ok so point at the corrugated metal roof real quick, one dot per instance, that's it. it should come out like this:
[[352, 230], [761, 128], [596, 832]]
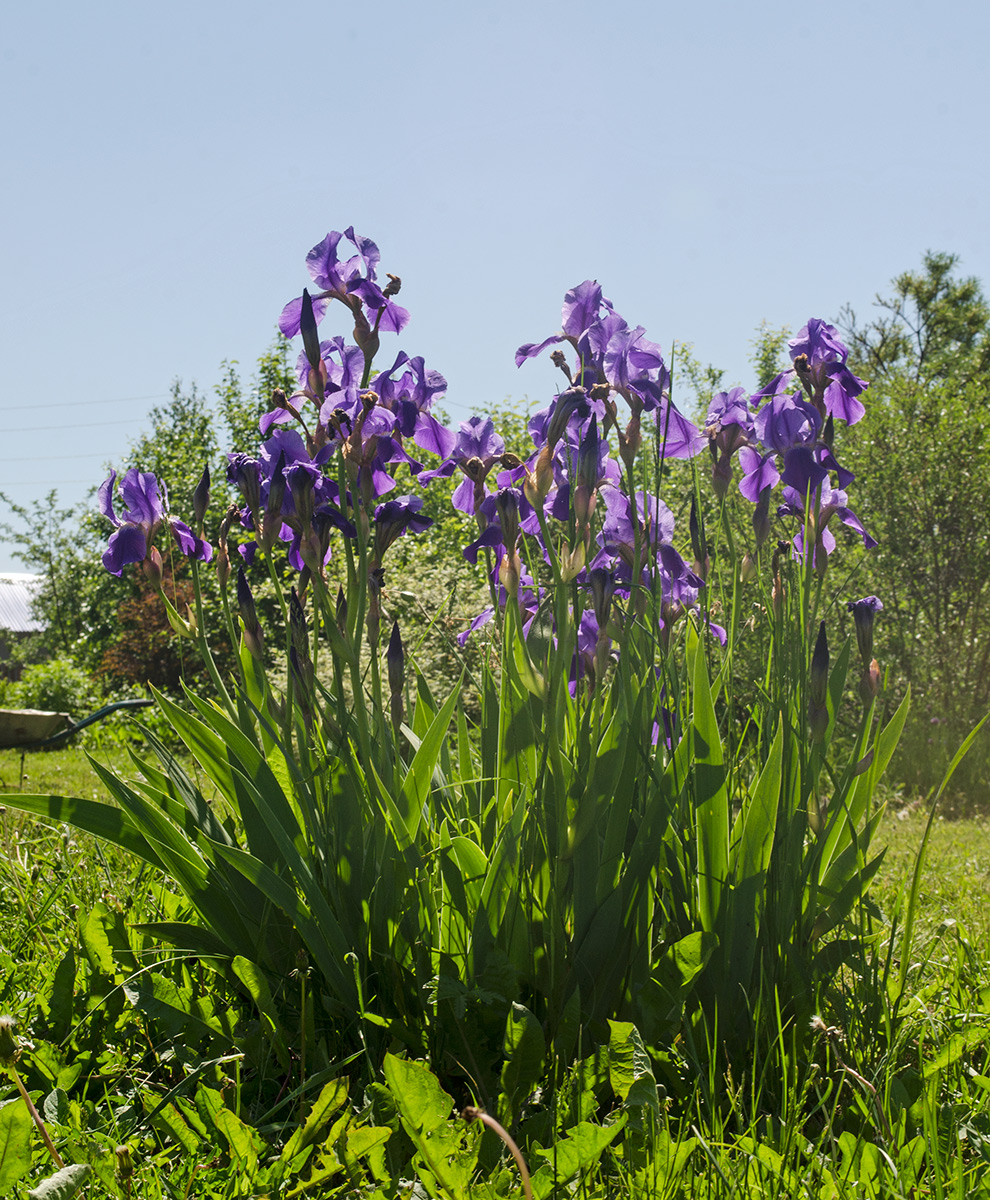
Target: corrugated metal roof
[[17, 591]]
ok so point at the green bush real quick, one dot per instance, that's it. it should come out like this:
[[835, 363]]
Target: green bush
[[54, 686]]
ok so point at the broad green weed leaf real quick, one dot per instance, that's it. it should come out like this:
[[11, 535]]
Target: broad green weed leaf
[[447, 1150], [93, 934], [244, 1142], [628, 1060], [162, 1000], [61, 994], [170, 1120], [663, 996], [422, 1103], [16, 1128], [524, 1048], [327, 1103], [578, 1151], [63, 1183], [56, 1107]]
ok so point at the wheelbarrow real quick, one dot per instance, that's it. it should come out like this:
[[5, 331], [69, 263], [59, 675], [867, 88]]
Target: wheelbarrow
[[29, 729]]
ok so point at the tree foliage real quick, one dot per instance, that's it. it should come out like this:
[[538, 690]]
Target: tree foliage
[[922, 460], [935, 327]]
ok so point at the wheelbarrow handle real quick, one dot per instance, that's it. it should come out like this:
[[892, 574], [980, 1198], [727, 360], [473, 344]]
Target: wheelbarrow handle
[[97, 716]]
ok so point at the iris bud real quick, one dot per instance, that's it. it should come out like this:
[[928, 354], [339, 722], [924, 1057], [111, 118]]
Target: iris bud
[[538, 483], [249, 616], [153, 568], [572, 562], [245, 473], [869, 684], [748, 569], [602, 589], [201, 499], [864, 613], [572, 401], [701, 561], [310, 335], [507, 505], [395, 660], [818, 687]]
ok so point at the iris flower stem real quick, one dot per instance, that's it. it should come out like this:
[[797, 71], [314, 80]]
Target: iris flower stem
[[204, 646], [548, 543], [231, 630], [276, 583]]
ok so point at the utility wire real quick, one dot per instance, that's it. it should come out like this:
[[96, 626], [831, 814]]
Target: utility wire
[[59, 428], [86, 403], [61, 457]]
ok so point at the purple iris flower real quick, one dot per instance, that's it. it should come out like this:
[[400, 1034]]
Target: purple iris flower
[[729, 423], [819, 359], [135, 528], [409, 397], [476, 450], [819, 343], [582, 309], [620, 359], [529, 599], [618, 535], [827, 502], [353, 282], [397, 517], [787, 421], [729, 428]]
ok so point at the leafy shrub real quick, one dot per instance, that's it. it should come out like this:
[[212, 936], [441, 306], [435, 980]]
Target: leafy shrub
[[54, 686]]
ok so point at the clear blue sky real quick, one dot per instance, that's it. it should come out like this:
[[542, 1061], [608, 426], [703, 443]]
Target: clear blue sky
[[167, 166]]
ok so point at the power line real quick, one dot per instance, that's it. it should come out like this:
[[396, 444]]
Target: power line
[[109, 400], [57, 428], [62, 457]]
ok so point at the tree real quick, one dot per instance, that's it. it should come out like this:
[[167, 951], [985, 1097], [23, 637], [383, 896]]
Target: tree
[[181, 441], [922, 460], [936, 327], [240, 407]]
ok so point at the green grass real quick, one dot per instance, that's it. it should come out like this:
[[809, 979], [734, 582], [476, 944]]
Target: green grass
[[956, 879], [65, 771], [109, 1049]]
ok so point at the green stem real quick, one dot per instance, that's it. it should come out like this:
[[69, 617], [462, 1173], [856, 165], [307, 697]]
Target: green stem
[[204, 647]]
